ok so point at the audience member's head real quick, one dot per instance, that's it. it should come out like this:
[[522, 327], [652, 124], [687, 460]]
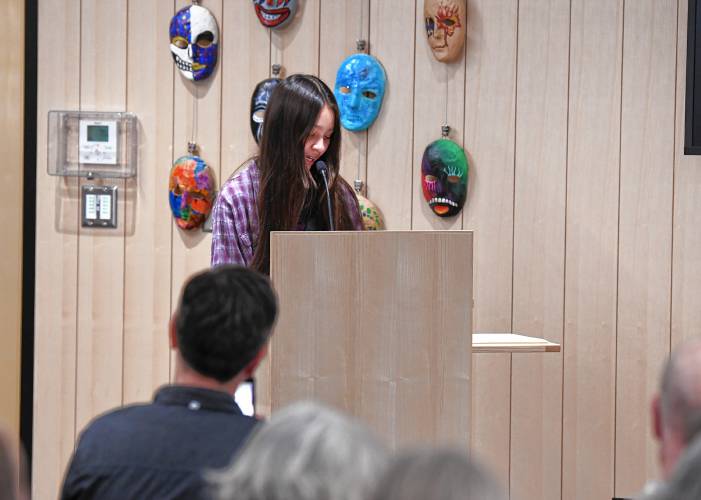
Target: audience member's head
[[12, 479], [685, 482], [438, 474], [223, 320], [305, 452], [677, 408]]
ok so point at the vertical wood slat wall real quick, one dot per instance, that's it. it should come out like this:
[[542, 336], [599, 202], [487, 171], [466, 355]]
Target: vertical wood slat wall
[[584, 208]]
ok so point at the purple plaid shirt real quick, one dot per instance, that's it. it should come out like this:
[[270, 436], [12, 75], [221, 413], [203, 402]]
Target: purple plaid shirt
[[235, 217]]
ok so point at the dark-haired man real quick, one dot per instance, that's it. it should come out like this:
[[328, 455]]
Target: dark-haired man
[[161, 449]]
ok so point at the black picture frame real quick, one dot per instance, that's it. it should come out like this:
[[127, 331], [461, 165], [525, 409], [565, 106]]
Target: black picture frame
[[692, 123]]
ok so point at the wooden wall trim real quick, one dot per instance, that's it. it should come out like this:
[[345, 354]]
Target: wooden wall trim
[[11, 176]]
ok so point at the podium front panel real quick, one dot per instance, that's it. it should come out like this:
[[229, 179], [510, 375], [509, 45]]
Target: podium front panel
[[377, 324]]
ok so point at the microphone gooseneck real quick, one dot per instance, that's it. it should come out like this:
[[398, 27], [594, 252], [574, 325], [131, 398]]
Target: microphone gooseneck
[[322, 169]]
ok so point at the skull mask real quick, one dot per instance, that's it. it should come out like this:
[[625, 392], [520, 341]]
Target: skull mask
[[191, 191], [194, 42], [360, 87], [259, 102], [445, 27], [275, 13], [444, 177]]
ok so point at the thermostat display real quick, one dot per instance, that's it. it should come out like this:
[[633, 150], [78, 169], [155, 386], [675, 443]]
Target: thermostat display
[[98, 142]]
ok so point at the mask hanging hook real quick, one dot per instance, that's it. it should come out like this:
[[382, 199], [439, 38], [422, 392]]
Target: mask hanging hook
[[361, 45], [445, 129]]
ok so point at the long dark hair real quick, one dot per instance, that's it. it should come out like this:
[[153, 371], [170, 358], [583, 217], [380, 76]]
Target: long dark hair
[[286, 185]]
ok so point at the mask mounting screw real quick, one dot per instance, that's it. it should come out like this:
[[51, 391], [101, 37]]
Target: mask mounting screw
[[358, 185]]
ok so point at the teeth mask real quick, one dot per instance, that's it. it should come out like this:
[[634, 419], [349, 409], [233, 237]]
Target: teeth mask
[[445, 28], [444, 177], [259, 103], [194, 42], [275, 13], [359, 89], [191, 187]]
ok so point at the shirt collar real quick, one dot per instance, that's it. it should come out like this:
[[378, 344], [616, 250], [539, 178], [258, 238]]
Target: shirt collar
[[195, 398]]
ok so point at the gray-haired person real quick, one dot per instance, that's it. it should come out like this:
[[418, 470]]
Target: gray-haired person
[[13, 481], [685, 482], [676, 411], [438, 474], [306, 451]]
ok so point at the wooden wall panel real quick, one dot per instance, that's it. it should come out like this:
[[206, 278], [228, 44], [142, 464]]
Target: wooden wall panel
[[101, 251], [191, 249], [12, 67], [591, 260], [645, 240], [389, 152], [438, 88], [686, 258], [56, 255], [341, 24], [539, 244], [296, 46], [548, 93], [489, 136], [245, 61], [147, 250]]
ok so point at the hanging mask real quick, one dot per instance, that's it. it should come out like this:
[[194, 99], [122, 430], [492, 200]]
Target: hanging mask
[[191, 188], [194, 42], [445, 27], [372, 218], [444, 177], [259, 102], [275, 13], [360, 87]]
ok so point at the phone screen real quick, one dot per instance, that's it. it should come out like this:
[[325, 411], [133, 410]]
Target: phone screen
[[245, 397]]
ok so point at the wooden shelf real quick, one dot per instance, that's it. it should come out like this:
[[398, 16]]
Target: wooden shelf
[[511, 342]]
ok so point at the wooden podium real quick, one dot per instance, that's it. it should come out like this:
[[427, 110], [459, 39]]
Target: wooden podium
[[377, 324]]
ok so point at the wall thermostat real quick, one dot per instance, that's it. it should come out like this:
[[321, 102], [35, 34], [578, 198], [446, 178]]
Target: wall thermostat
[[98, 142], [92, 144]]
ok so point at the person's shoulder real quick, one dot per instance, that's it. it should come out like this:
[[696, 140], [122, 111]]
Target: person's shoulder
[[113, 420], [347, 192], [345, 187], [242, 183], [246, 174]]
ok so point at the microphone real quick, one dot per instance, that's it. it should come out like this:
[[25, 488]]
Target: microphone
[[323, 170]]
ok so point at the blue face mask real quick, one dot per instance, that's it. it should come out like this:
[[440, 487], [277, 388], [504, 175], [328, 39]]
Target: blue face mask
[[360, 87]]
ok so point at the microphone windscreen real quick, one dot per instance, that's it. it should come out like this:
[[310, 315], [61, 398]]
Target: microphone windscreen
[[321, 167]]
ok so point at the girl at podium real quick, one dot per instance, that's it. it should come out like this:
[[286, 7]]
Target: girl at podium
[[282, 188]]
